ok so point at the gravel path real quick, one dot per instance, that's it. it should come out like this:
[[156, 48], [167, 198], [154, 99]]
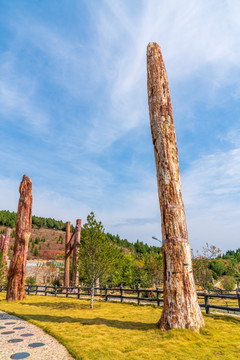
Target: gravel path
[[21, 340]]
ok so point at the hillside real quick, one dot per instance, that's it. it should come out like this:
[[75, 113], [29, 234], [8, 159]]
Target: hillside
[[48, 242]]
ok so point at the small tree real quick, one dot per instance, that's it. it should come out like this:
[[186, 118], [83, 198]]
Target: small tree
[[96, 254], [228, 283], [31, 280], [36, 251], [201, 266]]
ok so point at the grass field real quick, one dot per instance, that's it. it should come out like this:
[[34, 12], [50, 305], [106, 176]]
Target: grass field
[[223, 302], [125, 331]]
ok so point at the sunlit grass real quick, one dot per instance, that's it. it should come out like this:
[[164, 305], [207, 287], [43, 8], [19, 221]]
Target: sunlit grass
[[223, 302], [125, 331]]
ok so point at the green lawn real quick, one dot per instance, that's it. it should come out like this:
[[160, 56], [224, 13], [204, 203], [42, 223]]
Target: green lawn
[[124, 331]]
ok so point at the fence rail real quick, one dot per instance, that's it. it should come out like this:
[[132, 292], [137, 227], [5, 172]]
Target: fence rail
[[143, 296]]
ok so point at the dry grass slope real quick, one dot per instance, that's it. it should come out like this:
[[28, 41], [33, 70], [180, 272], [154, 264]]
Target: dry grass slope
[[46, 250], [124, 331]]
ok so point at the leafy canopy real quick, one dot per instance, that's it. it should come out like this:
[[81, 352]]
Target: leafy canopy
[[96, 254]]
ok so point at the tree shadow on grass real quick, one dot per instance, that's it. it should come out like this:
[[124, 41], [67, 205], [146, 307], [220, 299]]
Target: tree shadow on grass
[[59, 305], [129, 325], [227, 318]]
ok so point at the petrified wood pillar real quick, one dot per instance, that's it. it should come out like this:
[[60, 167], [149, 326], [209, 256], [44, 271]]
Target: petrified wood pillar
[[6, 245], [67, 254], [17, 268], [4, 249], [2, 240], [77, 239], [181, 309]]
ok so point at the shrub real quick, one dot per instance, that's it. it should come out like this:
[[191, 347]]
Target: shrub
[[37, 240], [60, 239], [30, 280], [36, 251], [228, 283], [210, 286], [56, 282]]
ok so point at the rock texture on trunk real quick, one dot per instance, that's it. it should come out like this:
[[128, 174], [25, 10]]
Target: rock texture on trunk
[[2, 240], [77, 239], [6, 245], [67, 253], [181, 308], [17, 268]]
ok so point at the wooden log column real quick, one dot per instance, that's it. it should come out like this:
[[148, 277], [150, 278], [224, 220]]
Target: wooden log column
[[181, 308], [17, 268], [67, 253], [6, 245], [2, 240], [77, 239]]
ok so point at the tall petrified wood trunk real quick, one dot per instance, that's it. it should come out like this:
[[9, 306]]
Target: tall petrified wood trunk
[[181, 309], [67, 253], [17, 268], [77, 239]]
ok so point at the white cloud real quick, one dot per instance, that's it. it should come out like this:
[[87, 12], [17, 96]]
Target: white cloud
[[211, 194], [197, 41], [18, 94], [16, 103], [106, 73]]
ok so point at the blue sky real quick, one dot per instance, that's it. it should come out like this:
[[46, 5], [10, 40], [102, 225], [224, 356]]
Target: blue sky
[[74, 115]]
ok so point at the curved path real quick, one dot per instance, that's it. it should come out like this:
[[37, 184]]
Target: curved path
[[22, 340]]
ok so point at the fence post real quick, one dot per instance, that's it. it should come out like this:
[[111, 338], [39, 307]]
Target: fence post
[[45, 290], [67, 292], [106, 293], [121, 293], [238, 297], [28, 289], [78, 295], [206, 298], [158, 297], [55, 290], [138, 293], [36, 289]]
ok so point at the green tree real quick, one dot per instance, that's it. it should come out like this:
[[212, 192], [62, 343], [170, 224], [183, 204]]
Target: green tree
[[218, 268], [36, 251], [96, 254], [31, 280], [201, 266], [228, 283], [37, 240]]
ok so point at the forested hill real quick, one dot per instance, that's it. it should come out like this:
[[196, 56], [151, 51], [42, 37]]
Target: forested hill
[[8, 219]]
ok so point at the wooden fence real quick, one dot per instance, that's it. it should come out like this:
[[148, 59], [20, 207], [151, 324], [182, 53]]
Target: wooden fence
[[143, 296]]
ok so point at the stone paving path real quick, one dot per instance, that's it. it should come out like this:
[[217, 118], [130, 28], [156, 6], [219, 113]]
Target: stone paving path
[[22, 340]]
